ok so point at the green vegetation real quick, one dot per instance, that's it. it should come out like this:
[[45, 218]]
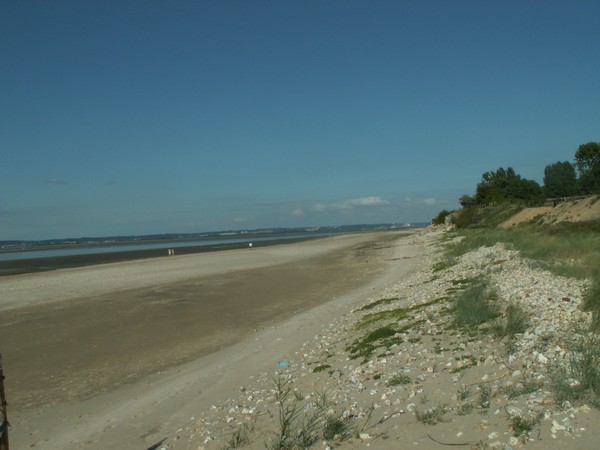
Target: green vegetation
[[580, 379], [485, 396], [502, 191], [335, 429], [587, 160], [514, 322], [383, 301], [321, 368], [298, 423], [523, 425], [394, 314], [506, 186], [432, 416], [560, 180], [364, 348], [476, 305], [239, 438], [441, 217], [399, 379], [525, 387], [591, 302]]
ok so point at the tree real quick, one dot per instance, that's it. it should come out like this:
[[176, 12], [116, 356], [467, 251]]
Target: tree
[[587, 160], [560, 180], [506, 186], [466, 201]]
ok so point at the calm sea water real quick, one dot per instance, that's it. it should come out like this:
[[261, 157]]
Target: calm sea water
[[50, 253]]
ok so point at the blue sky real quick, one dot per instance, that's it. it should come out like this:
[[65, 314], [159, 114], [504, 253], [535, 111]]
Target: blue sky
[[138, 117]]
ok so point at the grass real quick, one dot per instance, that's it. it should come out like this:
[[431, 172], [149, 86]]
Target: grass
[[239, 438], [475, 305], [321, 368], [394, 314], [515, 321], [485, 396], [527, 386], [383, 301], [431, 416], [579, 379], [398, 380], [591, 302], [298, 423], [523, 425], [567, 250], [335, 429], [366, 346]]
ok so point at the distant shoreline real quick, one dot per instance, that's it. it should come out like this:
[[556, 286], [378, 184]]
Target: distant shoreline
[[23, 266]]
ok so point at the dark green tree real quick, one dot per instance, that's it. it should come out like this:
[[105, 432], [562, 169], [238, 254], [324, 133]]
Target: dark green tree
[[506, 186], [587, 160], [560, 180], [466, 201]]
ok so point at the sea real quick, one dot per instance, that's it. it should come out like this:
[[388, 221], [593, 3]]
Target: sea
[[11, 251]]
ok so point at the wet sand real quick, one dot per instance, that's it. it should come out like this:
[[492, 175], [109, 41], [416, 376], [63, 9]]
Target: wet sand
[[29, 265], [68, 336]]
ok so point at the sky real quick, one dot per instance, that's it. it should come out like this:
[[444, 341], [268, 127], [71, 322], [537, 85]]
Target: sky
[[142, 117]]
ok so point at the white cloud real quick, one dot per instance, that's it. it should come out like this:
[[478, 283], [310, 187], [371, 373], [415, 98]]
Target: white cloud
[[430, 201], [352, 203], [373, 200], [369, 201], [297, 212]]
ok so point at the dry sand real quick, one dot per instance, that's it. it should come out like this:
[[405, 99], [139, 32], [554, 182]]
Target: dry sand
[[120, 355]]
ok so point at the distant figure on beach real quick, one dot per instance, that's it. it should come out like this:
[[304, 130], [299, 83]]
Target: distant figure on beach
[[250, 245], [171, 252]]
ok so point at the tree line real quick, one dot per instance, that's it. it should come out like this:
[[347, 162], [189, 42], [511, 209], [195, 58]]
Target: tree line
[[561, 179]]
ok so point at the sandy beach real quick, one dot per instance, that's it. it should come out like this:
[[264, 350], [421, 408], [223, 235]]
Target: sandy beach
[[119, 355]]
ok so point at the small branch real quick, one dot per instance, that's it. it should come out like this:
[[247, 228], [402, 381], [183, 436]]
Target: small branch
[[450, 444], [486, 382]]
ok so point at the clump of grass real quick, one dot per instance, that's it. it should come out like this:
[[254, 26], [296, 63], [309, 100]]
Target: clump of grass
[[321, 368], [298, 422], [485, 396], [239, 438], [399, 379], [444, 265], [475, 305], [394, 314], [365, 347], [527, 386], [383, 301], [464, 408], [514, 322], [523, 425], [579, 379], [431, 416], [591, 302], [335, 429]]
